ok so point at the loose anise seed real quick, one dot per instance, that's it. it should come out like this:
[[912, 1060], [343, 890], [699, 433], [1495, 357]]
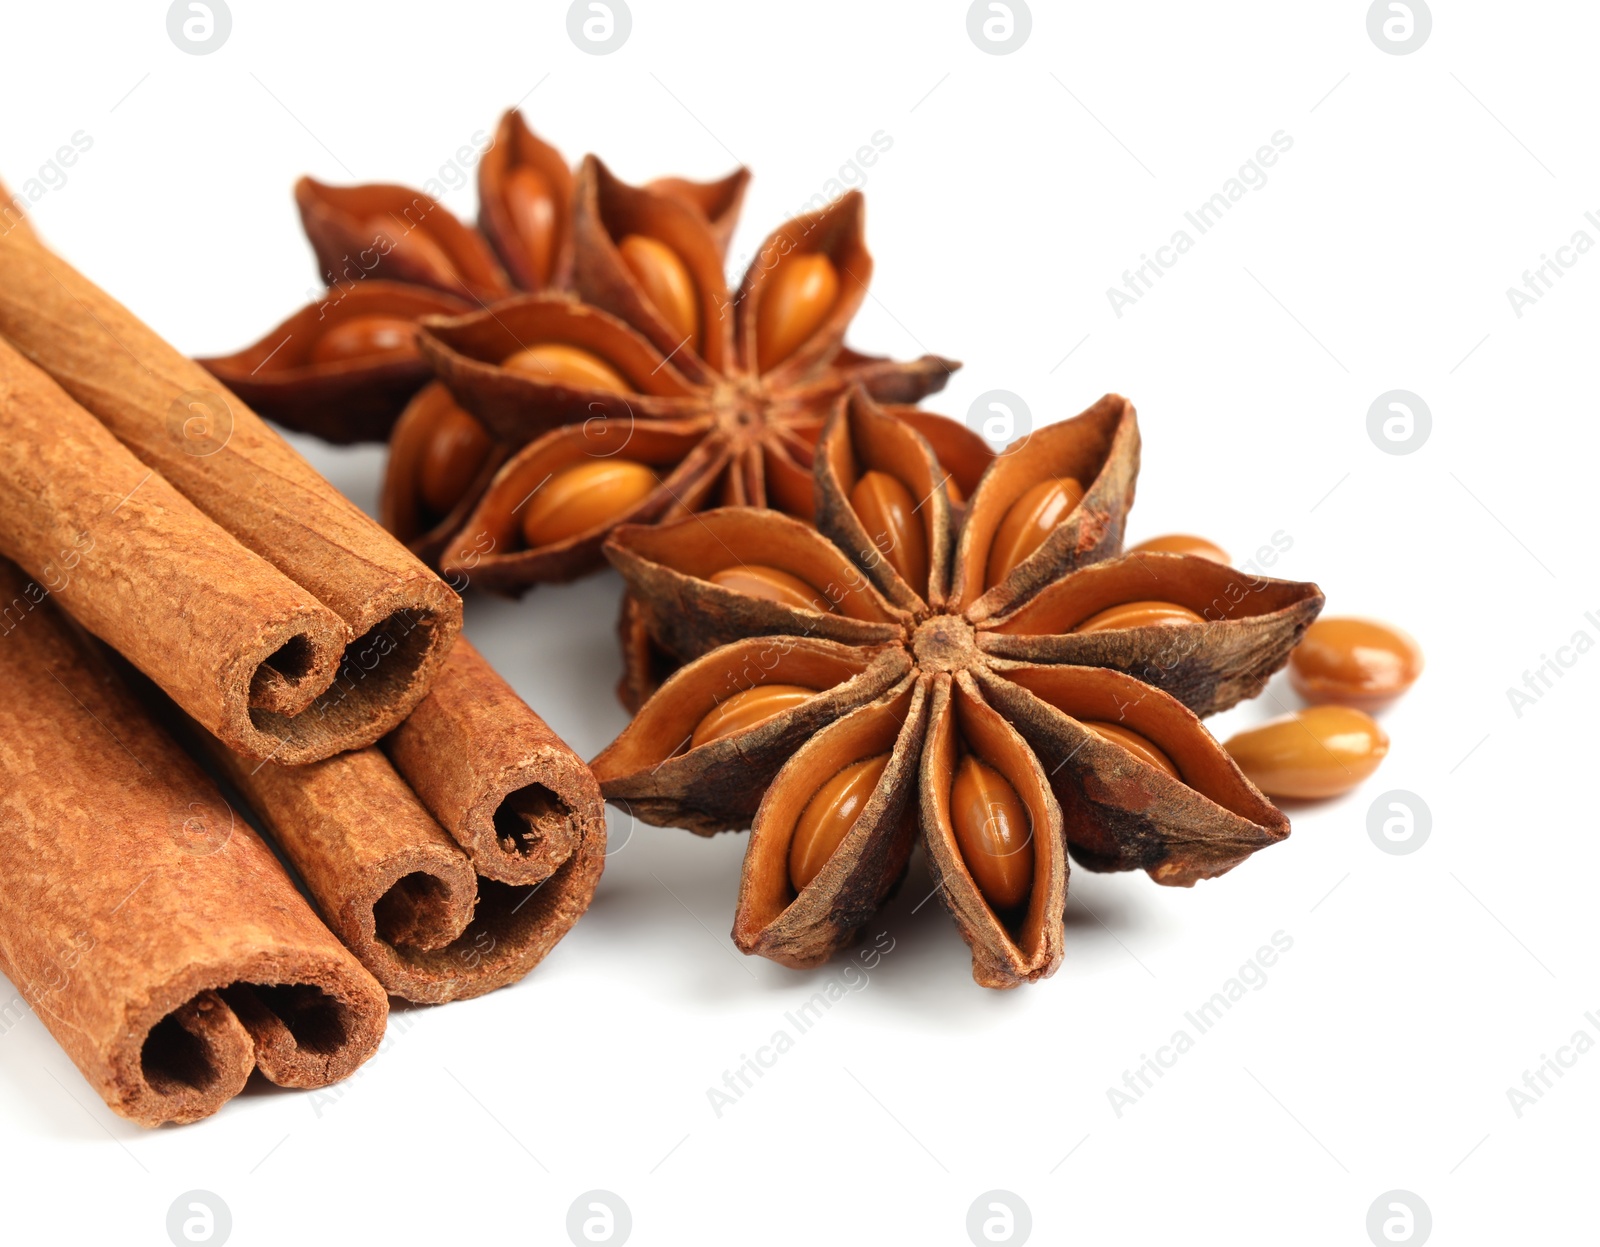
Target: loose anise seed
[[1031, 519], [1318, 752], [772, 584], [409, 243], [364, 337], [532, 205], [666, 282], [749, 708], [1184, 543], [585, 497], [556, 363], [451, 459], [795, 300], [1139, 615], [994, 833], [1354, 662], [889, 514], [829, 815], [1139, 746]]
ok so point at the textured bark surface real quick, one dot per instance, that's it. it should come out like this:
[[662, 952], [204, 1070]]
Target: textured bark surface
[[407, 853], [510, 791], [214, 450], [356, 400], [152, 932], [150, 575]]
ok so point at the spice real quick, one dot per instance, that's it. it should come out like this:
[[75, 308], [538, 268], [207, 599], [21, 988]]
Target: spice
[[400, 619], [1354, 662], [919, 728], [1321, 751], [151, 930], [741, 381]]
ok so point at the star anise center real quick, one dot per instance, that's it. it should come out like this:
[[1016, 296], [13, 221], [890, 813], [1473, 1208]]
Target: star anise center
[[945, 643], [742, 408]]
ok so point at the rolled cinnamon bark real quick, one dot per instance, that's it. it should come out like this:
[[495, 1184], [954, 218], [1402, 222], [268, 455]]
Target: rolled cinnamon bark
[[510, 791], [155, 935], [395, 886], [214, 450], [233, 641]]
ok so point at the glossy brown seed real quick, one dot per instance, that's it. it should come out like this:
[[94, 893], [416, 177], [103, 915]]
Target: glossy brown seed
[[665, 280], [889, 514], [749, 708], [772, 584], [455, 451], [404, 241], [532, 205], [365, 337], [1184, 543], [1029, 521], [1354, 662], [994, 833], [829, 815], [1145, 614], [556, 363], [585, 497], [795, 301], [1318, 752], [1141, 747]]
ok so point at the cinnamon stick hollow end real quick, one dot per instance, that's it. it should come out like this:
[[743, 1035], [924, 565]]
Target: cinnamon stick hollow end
[[221, 630], [397, 888], [510, 791], [186, 427], [154, 934]]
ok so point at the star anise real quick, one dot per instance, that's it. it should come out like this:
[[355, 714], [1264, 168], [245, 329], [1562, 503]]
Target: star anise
[[346, 365], [663, 393], [1001, 695]]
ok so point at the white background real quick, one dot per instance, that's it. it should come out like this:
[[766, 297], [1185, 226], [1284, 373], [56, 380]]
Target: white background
[[1419, 988]]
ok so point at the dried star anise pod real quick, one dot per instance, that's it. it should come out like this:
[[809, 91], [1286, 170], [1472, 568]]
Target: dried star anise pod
[[664, 393], [1001, 695], [345, 366]]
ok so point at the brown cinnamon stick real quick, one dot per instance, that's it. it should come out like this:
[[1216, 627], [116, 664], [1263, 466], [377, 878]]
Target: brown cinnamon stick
[[234, 642], [214, 450], [395, 886], [155, 935], [511, 792]]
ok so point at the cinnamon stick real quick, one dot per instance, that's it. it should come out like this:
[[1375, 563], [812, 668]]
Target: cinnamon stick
[[424, 916], [510, 791], [181, 421], [239, 646], [155, 935]]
